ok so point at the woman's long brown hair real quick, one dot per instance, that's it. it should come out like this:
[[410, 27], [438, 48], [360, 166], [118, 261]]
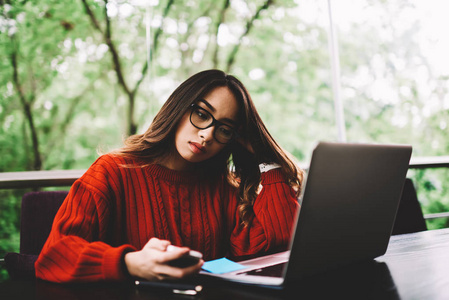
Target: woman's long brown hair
[[234, 162]]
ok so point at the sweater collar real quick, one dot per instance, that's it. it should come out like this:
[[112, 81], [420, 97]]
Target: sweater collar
[[159, 171]]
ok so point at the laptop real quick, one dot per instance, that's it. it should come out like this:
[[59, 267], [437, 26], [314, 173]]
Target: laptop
[[348, 208]]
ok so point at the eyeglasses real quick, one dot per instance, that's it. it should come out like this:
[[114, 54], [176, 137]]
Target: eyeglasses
[[202, 119]]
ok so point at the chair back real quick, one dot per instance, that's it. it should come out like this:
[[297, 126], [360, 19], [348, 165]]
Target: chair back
[[409, 217], [37, 214]]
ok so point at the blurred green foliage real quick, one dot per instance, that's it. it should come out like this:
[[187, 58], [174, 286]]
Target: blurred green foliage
[[433, 193]]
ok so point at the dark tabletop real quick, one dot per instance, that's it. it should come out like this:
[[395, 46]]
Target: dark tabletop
[[416, 266]]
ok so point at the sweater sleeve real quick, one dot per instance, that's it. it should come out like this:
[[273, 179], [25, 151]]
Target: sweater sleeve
[[76, 249], [270, 230]]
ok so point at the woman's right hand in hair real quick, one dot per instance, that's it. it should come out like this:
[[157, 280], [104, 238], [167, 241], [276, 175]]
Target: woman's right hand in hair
[[151, 263]]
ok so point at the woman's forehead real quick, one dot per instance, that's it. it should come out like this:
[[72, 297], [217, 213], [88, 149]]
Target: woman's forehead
[[222, 103]]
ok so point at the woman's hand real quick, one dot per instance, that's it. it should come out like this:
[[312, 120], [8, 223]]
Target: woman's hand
[[151, 263]]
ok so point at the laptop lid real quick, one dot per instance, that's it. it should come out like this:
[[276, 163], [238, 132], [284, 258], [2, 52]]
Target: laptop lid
[[348, 207]]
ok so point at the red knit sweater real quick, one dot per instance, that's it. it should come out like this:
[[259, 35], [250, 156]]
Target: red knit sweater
[[111, 210]]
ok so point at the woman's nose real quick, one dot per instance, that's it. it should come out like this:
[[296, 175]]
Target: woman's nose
[[207, 134]]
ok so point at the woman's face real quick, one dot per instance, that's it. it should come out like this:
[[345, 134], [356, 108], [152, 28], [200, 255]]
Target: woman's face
[[195, 145]]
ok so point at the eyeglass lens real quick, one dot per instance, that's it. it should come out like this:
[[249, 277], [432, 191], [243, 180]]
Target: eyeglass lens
[[202, 119]]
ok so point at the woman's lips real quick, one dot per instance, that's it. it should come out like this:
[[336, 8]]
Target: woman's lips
[[197, 148]]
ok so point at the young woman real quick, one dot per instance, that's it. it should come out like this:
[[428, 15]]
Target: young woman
[[206, 175]]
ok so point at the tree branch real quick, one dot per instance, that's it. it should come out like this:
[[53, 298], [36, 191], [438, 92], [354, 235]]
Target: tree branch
[[155, 46], [107, 37], [220, 21], [60, 129], [92, 17], [159, 30], [249, 25], [37, 165], [114, 52], [184, 54], [108, 40]]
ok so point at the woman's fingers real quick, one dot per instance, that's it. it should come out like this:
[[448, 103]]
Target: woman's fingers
[[152, 262], [174, 253], [158, 244]]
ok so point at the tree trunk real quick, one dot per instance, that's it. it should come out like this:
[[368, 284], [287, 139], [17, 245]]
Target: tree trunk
[[26, 105]]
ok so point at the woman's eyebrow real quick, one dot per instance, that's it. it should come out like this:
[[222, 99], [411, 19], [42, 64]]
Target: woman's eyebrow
[[208, 105], [214, 110]]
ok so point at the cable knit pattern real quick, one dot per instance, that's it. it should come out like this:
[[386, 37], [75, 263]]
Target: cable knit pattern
[[112, 210]]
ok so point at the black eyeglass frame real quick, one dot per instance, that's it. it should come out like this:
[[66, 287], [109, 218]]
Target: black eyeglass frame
[[214, 122]]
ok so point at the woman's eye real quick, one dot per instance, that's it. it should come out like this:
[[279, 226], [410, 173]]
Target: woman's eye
[[202, 115], [224, 131]]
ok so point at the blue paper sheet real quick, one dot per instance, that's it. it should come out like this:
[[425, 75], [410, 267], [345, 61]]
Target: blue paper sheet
[[221, 265]]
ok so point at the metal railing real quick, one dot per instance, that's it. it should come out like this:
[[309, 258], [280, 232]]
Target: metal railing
[[39, 179]]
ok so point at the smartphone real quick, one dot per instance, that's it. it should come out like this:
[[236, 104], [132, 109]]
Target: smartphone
[[189, 259]]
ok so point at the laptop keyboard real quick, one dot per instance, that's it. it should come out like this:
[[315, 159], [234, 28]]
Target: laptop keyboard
[[270, 271]]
